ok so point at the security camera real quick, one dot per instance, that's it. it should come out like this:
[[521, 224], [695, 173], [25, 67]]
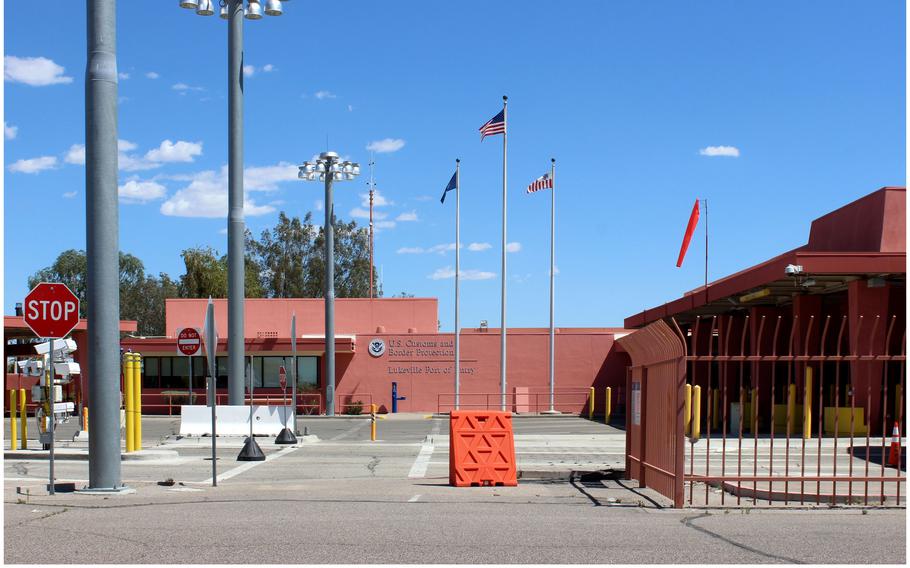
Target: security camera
[[63, 347], [793, 269]]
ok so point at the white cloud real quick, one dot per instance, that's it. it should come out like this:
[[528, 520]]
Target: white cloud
[[248, 70], [449, 272], [360, 213], [350, 108], [267, 178], [123, 76], [152, 75], [75, 155], [137, 191], [206, 194], [9, 131], [183, 88], [513, 247], [379, 200], [125, 146], [33, 165], [728, 151], [324, 95], [386, 145], [179, 151], [34, 71], [222, 231], [410, 250], [70, 194], [384, 224], [268, 67], [477, 247], [407, 216], [319, 205]]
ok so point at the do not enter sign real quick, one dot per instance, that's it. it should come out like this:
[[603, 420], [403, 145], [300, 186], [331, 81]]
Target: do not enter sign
[[51, 310], [188, 341], [282, 377]]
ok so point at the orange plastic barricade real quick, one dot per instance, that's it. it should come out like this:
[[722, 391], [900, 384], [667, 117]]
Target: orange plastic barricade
[[481, 449]]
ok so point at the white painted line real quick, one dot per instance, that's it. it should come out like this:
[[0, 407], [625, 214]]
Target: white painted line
[[414, 499], [351, 430], [419, 469], [250, 465]]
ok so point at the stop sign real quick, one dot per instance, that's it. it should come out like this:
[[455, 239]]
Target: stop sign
[[51, 310], [188, 341], [282, 377]]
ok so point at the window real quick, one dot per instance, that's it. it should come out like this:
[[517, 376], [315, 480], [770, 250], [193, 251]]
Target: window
[[270, 369], [307, 374], [150, 372]]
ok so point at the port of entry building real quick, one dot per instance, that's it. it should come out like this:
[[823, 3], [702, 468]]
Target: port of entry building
[[379, 342]]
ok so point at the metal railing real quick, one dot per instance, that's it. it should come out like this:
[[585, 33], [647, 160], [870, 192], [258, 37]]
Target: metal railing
[[569, 400], [353, 404], [307, 403], [782, 436]]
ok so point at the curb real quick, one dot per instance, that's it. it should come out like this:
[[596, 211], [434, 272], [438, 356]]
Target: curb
[[82, 455]]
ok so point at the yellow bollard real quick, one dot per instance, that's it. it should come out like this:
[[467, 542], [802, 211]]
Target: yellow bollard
[[13, 434], [23, 417], [791, 406], [608, 409], [85, 418], [591, 404], [128, 398], [137, 404], [696, 413], [372, 422], [807, 405], [687, 411], [715, 409]]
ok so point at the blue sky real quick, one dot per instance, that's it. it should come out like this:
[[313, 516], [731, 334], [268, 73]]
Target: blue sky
[[625, 95]]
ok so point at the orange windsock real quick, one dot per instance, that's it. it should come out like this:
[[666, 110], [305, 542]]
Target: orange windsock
[[690, 229]]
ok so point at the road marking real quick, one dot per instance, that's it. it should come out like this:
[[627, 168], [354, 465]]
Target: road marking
[[414, 499], [350, 430], [419, 469], [250, 465]]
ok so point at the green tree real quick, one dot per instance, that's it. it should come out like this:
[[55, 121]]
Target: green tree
[[206, 275], [141, 296]]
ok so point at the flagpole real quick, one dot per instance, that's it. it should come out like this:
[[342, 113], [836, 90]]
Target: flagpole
[[502, 349], [457, 275], [552, 272], [705, 201]]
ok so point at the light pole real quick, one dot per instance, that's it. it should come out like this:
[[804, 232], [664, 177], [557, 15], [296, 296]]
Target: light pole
[[328, 168], [233, 12]]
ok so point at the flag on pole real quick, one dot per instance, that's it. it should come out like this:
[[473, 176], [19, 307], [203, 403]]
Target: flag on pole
[[448, 188], [690, 229], [543, 182], [496, 125]]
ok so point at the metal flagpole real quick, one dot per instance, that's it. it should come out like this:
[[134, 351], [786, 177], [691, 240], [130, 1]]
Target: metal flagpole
[[502, 348], [552, 272], [705, 201], [457, 275], [371, 225], [294, 372]]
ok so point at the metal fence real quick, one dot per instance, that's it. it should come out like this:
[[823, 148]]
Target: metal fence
[[791, 412], [569, 401]]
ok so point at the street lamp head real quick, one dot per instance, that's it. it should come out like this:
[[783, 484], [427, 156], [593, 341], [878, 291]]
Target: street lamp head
[[224, 14], [328, 156], [205, 8], [188, 4], [273, 8], [254, 10]]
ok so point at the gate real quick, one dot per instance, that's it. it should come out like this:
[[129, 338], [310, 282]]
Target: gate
[[791, 412]]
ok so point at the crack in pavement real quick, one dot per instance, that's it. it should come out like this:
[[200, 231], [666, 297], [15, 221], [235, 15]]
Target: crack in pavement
[[687, 521], [372, 465]]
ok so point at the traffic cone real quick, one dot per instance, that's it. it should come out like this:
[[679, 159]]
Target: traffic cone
[[894, 455]]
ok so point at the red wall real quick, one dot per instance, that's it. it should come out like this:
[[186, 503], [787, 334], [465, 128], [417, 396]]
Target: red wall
[[272, 317]]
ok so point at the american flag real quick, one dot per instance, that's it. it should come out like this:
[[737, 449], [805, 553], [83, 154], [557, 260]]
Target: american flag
[[496, 125], [543, 182]]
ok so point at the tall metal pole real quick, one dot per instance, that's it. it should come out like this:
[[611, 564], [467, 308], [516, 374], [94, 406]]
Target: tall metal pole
[[329, 294], [294, 372], [236, 270], [457, 277], [371, 225], [502, 365], [705, 201], [552, 281], [102, 227]]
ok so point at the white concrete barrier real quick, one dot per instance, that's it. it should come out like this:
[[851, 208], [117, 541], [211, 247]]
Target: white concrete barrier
[[196, 420]]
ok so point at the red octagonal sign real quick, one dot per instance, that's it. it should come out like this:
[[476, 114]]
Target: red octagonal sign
[[51, 310]]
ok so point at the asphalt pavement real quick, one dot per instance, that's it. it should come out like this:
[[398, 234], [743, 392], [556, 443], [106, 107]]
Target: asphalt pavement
[[337, 497]]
